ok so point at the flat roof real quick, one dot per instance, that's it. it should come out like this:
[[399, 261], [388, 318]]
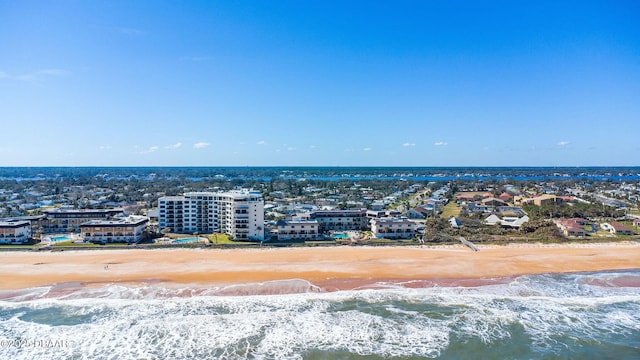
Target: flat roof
[[392, 221], [82, 211], [130, 220], [14, 224], [23, 218], [286, 222]]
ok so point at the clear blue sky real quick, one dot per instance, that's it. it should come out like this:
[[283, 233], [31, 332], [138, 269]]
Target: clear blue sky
[[399, 83]]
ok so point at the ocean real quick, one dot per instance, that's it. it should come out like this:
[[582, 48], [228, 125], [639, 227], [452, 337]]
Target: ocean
[[552, 316]]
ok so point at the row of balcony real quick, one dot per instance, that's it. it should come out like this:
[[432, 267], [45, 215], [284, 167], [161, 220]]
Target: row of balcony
[[297, 233], [392, 231], [108, 234]]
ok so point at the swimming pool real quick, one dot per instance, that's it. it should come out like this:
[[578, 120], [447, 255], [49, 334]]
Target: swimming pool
[[341, 236], [59, 238], [186, 240]]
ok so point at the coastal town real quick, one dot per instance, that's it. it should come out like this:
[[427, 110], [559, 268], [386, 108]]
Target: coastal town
[[85, 210]]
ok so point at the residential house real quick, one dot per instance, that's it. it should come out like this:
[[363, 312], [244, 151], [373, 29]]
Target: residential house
[[545, 199], [616, 228], [491, 201], [510, 211], [572, 227], [474, 208], [506, 221], [506, 197], [472, 196]]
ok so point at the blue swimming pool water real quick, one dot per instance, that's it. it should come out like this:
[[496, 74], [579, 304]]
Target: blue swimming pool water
[[186, 240], [59, 238], [341, 236]]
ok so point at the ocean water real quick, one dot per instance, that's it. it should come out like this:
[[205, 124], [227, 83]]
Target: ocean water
[[555, 316]]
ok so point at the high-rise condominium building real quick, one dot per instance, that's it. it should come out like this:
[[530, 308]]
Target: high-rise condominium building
[[239, 213]]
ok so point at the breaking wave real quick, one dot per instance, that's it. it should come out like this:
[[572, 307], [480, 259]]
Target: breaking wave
[[558, 315]]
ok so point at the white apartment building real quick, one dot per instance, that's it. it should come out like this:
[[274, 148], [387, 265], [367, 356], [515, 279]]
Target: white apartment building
[[297, 230], [15, 232], [393, 228], [239, 213]]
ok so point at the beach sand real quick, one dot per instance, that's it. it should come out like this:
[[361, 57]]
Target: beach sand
[[331, 268]]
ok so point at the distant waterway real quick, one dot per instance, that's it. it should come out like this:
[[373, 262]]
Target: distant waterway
[[195, 174], [468, 177]]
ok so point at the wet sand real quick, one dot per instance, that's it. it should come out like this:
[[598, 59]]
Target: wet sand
[[331, 268]]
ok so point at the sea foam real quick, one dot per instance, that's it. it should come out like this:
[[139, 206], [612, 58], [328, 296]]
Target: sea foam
[[531, 316]]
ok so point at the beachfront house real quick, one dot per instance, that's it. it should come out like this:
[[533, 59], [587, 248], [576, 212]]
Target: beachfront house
[[616, 228], [506, 221], [455, 223], [129, 229], [297, 230], [572, 227], [15, 232], [393, 228]]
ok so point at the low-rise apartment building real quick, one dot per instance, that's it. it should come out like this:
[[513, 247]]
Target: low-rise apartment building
[[393, 228], [15, 232], [128, 229], [382, 213], [69, 220], [340, 220], [297, 230]]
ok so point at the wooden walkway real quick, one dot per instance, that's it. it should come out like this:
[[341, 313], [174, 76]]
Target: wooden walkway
[[469, 244]]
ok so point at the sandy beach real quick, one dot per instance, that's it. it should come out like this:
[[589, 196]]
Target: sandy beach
[[331, 268]]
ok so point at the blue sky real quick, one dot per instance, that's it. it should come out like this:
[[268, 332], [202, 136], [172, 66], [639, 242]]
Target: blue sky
[[319, 83]]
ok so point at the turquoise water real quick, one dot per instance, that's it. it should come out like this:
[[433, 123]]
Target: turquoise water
[[186, 240], [60, 238], [341, 236]]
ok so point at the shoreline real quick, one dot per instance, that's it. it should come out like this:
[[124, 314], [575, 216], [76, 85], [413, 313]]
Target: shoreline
[[330, 268]]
